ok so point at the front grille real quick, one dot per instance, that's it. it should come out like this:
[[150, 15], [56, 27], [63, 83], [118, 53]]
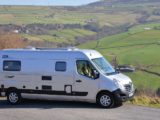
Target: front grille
[[128, 87]]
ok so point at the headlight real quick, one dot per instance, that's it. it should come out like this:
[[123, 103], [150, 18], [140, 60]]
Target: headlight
[[117, 83]]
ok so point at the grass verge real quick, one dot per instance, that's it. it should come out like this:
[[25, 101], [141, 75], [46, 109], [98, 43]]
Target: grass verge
[[144, 100]]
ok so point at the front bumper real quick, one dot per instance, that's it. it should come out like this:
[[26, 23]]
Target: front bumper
[[122, 96]]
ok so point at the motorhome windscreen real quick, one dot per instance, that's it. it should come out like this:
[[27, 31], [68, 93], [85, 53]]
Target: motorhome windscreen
[[104, 65]]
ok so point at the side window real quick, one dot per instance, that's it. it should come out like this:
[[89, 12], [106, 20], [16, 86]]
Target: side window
[[61, 66], [85, 68], [11, 65]]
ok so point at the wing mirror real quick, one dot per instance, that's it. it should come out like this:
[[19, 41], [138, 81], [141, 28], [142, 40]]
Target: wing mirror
[[96, 74]]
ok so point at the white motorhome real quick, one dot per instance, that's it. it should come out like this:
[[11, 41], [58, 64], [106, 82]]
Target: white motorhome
[[61, 74]]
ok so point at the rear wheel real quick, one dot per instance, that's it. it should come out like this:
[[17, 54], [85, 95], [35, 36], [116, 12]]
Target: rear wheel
[[13, 97], [105, 100]]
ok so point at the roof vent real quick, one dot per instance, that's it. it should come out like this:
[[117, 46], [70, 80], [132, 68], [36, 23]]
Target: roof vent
[[30, 48], [72, 48]]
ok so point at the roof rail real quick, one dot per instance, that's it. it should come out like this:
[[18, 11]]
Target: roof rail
[[68, 48]]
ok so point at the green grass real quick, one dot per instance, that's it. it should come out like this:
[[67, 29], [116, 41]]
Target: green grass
[[115, 15], [31, 14], [130, 48], [141, 28], [146, 101], [53, 15], [65, 36], [145, 80], [133, 49]]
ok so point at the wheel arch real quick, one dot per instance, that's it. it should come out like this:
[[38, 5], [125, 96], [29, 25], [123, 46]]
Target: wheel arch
[[103, 91], [11, 89], [11, 98]]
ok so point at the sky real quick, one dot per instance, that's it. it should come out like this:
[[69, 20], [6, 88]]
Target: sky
[[46, 2]]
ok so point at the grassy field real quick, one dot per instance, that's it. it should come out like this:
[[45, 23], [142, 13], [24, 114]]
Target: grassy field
[[137, 48], [113, 16], [141, 28], [66, 35], [53, 15]]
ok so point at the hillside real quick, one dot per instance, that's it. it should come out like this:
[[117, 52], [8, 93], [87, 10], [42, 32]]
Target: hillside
[[52, 26], [114, 2], [137, 47]]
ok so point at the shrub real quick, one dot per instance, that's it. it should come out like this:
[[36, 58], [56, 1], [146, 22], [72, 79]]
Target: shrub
[[11, 40]]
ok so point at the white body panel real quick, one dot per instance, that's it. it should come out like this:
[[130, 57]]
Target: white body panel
[[63, 86]]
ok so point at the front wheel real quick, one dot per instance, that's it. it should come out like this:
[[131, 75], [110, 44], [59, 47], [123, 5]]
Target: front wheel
[[13, 97], [105, 100]]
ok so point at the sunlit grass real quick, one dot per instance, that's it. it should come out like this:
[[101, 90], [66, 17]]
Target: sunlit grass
[[146, 101]]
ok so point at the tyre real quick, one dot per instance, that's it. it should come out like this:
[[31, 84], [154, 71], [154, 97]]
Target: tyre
[[13, 97], [105, 100]]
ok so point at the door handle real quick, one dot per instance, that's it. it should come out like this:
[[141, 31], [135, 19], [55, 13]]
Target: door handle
[[10, 76], [78, 81]]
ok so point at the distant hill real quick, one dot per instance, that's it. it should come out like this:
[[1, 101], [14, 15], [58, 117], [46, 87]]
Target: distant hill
[[70, 26], [113, 2]]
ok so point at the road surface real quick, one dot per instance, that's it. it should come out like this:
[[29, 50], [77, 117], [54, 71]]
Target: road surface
[[47, 110]]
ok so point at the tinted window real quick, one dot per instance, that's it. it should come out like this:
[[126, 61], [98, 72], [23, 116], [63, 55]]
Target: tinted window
[[11, 65], [60, 66], [85, 68]]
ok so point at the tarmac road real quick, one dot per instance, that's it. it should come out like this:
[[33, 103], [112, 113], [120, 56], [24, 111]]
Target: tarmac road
[[47, 110]]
